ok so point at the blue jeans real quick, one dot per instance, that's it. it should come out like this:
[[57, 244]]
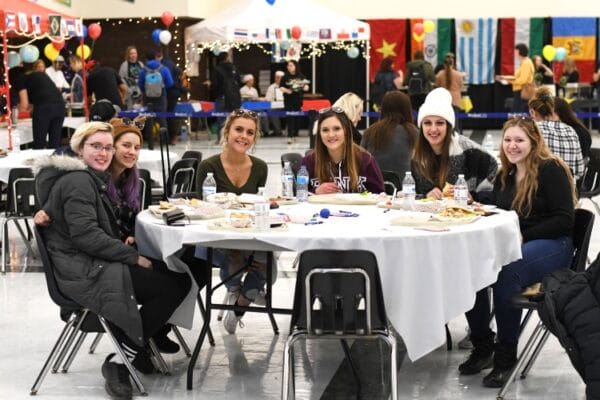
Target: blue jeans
[[540, 257]]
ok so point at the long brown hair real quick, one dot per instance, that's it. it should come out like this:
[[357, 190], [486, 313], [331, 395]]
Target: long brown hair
[[448, 67], [396, 110], [526, 189], [566, 114], [425, 161], [323, 163]]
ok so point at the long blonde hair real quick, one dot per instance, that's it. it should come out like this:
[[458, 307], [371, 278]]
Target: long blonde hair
[[527, 188]]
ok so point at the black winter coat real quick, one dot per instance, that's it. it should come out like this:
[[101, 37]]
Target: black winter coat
[[571, 311], [90, 260]]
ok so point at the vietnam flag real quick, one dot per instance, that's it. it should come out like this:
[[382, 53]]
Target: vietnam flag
[[434, 45], [578, 36], [513, 31], [388, 39]]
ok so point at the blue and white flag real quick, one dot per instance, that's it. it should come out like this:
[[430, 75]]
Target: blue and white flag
[[476, 49]]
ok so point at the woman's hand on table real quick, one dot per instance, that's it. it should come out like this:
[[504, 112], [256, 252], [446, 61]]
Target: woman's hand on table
[[41, 218], [144, 262], [435, 193], [327, 188]]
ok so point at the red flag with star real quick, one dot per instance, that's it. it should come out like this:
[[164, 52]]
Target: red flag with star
[[388, 39]]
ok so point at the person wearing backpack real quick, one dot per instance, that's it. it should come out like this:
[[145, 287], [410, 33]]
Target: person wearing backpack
[[225, 85], [386, 79], [154, 80], [419, 79]]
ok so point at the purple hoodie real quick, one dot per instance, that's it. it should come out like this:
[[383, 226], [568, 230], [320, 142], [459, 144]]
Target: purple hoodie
[[369, 175]]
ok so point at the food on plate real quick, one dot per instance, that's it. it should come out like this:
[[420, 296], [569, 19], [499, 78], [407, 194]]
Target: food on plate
[[165, 205], [240, 220], [221, 197], [448, 190], [280, 198], [456, 212]]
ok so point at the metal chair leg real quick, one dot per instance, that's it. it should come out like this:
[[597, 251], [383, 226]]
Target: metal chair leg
[[268, 294], [69, 342], [181, 341], [5, 248], [448, 338], [73, 352], [119, 351], [348, 356], [391, 341], [160, 361], [57, 346], [520, 361], [536, 353], [288, 366], [95, 343]]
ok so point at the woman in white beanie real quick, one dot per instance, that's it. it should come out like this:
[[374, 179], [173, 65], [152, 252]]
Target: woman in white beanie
[[440, 154], [248, 91]]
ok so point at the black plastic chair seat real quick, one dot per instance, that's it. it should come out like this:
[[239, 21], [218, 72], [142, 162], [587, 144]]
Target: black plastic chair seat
[[524, 302]]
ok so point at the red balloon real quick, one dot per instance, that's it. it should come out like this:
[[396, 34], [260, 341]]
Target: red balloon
[[94, 31], [418, 28], [167, 18], [296, 32], [58, 45]]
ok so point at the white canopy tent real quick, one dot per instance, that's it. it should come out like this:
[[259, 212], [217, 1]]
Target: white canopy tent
[[248, 22]]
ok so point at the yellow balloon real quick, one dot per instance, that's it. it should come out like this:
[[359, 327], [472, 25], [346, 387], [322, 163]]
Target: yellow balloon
[[549, 52], [428, 26], [87, 52], [50, 52]]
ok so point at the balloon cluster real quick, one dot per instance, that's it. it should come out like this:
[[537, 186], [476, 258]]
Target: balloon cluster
[[552, 53], [163, 35], [420, 29]]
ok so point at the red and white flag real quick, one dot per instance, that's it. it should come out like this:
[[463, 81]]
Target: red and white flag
[[36, 24], [10, 21], [23, 22]]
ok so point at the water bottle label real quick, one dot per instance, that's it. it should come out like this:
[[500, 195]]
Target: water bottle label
[[302, 180], [408, 189], [207, 191]]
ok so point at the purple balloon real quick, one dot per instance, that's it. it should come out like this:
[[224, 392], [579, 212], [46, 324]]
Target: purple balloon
[[156, 36], [84, 31]]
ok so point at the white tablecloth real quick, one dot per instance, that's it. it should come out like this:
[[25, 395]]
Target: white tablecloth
[[23, 127], [428, 278], [148, 159]]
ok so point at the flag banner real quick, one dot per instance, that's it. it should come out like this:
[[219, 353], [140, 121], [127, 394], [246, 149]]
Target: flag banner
[[78, 28], [23, 22], [64, 31], [54, 25], [388, 39], [435, 44], [578, 37], [476, 49], [36, 24], [10, 21], [529, 31]]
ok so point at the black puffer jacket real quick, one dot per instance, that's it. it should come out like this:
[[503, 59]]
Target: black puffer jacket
[[83, 242], [571, 311]]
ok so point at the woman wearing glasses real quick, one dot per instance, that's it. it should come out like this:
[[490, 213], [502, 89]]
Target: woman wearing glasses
[[538, 186], [338, 165], [95, 268], [235, 171], [440, 154]]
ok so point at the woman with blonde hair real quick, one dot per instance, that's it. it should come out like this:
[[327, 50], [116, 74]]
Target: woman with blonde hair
[[338, 164], [352, 105], [539, 187]]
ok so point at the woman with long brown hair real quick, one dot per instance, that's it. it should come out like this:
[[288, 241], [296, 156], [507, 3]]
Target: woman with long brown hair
[[538, 186], [338, 164], [391, 139], [440, 155], [450, 79]]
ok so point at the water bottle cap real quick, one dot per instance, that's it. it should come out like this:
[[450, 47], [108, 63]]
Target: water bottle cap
[[209, 174]]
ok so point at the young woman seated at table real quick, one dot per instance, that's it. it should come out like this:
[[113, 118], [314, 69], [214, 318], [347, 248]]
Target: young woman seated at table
[[338, 165], [94, 267], [440, 154], [539, 186], [236, 171]]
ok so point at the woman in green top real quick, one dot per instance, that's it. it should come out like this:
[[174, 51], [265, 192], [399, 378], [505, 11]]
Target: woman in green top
[[238, 172]]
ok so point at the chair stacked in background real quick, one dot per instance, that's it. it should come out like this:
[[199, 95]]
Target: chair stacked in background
[[338, 296]]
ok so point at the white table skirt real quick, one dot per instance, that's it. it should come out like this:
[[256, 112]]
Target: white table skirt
[[428, 278], [148, 159]]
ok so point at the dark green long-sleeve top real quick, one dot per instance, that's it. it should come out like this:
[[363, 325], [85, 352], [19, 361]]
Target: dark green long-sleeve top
[[257, 178]]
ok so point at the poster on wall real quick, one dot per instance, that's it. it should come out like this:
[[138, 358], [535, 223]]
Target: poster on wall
[[64, 2]]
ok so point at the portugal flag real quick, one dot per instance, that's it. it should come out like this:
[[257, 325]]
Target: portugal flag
[[388, 39]]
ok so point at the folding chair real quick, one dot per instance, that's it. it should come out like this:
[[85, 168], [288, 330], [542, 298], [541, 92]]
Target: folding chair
[[589, 184], [193, 154], [21, 204], [182, 176], [338, 296], [145, 188], [391, 181], [78, 318], [582, 232]]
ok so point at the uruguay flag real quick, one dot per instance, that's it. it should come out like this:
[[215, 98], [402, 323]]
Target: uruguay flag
[[476, 49]]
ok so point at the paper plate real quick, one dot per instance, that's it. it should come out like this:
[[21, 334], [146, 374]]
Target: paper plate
[[344, 199]]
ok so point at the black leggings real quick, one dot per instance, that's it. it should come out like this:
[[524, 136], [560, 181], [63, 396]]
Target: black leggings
[[159, 291]]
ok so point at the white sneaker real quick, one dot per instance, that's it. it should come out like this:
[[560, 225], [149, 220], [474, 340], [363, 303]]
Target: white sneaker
[[231, 322], [229, 299], [260, 299]]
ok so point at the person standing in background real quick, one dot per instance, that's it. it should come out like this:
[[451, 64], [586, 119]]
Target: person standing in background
[[544, 76], [523, 76], [452, 80], [386, 79], [293, 85], [104, 83], [173, 94], [129, 71], [275, 96], [419, 79], [56, 74], [77, 81], [225, 88]]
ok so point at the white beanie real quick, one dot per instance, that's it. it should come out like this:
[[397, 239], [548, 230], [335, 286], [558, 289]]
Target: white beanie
[[439, 103], [247, 78]]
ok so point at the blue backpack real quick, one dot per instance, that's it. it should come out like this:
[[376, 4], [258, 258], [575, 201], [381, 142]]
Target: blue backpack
[[153, 83]]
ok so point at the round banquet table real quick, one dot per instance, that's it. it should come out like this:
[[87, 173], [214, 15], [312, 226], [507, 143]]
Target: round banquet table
[[428, 277]]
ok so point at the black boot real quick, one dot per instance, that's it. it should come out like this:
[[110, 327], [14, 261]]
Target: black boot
[[505, 358], [164, 344], [481, 355]]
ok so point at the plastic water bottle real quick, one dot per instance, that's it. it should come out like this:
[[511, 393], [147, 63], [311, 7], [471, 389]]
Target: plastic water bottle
[[302, 184], [209, 186], [409, 189], [488, 143], [461, 191], [16, 141], [287, 180], [261, 212], [184, 133]]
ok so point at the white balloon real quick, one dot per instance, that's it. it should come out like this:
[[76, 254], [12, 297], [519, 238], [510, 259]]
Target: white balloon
[[165, 37], [14, 59]]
